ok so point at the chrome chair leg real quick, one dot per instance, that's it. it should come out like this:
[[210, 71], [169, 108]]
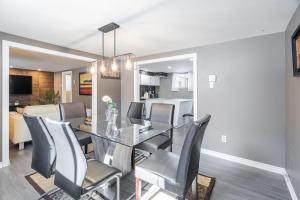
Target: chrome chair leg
[[138, 188], [118, 188]]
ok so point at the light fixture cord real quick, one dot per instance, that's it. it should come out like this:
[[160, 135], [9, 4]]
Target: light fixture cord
[[114, 42], [102, 45]]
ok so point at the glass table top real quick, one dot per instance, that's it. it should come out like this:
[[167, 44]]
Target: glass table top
[[130, 132]]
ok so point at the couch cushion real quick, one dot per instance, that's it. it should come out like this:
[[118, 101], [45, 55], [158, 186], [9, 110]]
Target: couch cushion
[[50, 111]]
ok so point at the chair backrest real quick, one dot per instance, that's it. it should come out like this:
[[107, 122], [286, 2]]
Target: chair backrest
[[162, 113], [190, 153], [43, 152], [136, 110], [71, 165], [72, 110]]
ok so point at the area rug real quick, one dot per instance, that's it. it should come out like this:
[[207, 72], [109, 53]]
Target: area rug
[[42, 185]]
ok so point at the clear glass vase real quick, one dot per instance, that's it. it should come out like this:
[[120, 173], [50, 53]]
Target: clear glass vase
[[108, 114]]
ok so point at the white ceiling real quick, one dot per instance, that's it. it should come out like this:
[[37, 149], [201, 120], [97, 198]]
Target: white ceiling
[[147, 27], [179, 66], [24, 59]]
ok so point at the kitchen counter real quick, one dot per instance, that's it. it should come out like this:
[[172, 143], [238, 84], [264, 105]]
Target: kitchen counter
[[182, 106]]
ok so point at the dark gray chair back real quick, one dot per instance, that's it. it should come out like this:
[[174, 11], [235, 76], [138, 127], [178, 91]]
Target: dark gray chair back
[[136, 110], [72, 110], [71, 164], [190, 153], [162, 113], [43, 152]]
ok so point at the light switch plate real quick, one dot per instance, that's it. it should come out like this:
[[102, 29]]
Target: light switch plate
[[212, 78]]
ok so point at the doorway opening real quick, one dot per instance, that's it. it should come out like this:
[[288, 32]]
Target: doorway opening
[[66, 90], [32, 66], [170, 80]]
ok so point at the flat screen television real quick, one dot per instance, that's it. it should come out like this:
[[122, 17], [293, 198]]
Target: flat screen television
[[20, 85]]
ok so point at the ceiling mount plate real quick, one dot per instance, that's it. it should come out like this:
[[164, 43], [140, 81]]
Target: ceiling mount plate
[[109, 27]]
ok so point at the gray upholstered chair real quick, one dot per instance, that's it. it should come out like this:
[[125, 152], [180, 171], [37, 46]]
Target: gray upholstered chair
[[75, 110], [170, 171], [43, 151], [136, 110], [162, 113], [74, 174]]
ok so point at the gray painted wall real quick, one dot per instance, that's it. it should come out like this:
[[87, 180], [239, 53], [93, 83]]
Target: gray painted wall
[[165, 90], [247, 103], [13, 38], [127, 92], [292, 109], [87, 100], [110, 87]]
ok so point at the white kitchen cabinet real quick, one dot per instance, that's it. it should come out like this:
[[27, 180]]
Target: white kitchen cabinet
[[144, 79], [155, 80], [149, 80]]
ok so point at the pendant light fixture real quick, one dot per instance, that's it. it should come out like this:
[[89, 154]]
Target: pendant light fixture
[[114, 60]]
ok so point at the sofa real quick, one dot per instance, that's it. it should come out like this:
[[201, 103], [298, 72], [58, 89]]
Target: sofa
[[18, 130]]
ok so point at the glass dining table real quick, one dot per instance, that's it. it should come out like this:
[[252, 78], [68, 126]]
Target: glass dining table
[[114, 143]]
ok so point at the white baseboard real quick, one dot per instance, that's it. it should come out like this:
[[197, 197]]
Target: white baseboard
[[244, 161], [259, 165], [290, 187]]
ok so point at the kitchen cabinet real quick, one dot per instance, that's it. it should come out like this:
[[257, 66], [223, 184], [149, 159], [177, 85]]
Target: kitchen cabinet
[[149, 80], [155, 80], [144, 79]]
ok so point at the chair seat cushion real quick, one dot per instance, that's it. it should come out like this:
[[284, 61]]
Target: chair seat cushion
[[152, 145], [83, 138], [159, 169], [97, 171]]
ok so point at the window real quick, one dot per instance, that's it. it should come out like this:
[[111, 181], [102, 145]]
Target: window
[[182, 82]]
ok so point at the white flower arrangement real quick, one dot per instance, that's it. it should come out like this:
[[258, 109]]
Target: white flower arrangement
[[109, 102]]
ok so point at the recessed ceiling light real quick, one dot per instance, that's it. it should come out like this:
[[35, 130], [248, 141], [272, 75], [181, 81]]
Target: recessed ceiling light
[[169, 67], [39, 70]]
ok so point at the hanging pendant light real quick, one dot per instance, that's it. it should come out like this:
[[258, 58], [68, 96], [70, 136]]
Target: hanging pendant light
[[92, 70], [102, 66], [114, 64], [128, 63]]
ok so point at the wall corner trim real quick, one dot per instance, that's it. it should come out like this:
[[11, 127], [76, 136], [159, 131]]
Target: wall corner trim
[[259, 165]]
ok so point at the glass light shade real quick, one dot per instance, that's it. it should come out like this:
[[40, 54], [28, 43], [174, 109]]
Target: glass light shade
[[92, 70], [128, 64], [102, 67], [114, 65]]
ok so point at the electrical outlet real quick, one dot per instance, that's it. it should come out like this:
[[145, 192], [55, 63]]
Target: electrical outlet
[[224, 139]]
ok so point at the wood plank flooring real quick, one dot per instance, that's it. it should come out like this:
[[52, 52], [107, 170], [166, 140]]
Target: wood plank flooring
[[234, 181]]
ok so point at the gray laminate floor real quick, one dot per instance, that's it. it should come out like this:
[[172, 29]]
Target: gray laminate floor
[[234, 181]]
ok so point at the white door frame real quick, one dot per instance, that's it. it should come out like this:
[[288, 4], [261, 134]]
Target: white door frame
[[63, 85], [193, 56], [6, 45]]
